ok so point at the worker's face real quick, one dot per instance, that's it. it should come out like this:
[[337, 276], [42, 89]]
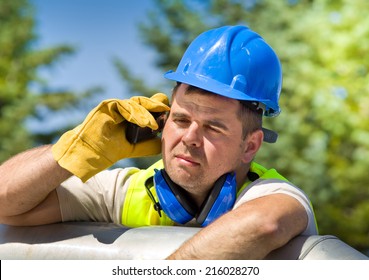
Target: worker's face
[[202, 139]]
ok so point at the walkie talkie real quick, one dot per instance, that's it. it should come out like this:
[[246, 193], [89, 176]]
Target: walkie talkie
[[135, 133]]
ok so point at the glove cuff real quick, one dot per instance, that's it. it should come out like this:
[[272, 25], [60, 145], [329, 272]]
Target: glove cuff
[[68, 153]]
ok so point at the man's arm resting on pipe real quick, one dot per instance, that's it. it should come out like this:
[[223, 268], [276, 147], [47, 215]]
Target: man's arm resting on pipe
[[250, 231], [27, 188]]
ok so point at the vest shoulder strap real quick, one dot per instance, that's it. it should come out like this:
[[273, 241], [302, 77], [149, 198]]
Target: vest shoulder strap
[[263, 173], [138, 208]]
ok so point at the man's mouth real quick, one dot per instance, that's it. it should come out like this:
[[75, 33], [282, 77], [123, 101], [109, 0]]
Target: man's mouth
[[187, 160]]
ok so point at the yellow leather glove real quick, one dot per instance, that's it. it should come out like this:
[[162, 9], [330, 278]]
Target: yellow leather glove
[[100, 140]]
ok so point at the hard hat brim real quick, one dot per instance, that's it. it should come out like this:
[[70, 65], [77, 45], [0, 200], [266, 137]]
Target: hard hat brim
[[220, 89]]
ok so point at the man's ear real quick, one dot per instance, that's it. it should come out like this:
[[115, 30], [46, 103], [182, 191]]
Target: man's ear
[[252, 144]]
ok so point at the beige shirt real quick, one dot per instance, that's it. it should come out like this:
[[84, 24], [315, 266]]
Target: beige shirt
[[101, 198]]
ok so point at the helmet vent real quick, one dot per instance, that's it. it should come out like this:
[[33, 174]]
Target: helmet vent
[[239, 83], [185, 68]]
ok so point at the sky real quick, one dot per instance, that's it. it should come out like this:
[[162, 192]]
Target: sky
[[100, 30]]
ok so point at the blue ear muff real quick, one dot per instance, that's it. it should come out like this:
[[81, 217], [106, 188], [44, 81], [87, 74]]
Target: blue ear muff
[[180, 208], [173, 200], [219, 201]]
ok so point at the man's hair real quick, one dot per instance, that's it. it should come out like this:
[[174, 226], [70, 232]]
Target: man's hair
[[249, 115]]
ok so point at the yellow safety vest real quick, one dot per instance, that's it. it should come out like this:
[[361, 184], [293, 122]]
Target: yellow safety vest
[[138, 207]]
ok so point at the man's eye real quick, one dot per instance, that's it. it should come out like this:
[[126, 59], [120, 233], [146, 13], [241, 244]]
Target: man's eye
[[181, 121], [214, 129]]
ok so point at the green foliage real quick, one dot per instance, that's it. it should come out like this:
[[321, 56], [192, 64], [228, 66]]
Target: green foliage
[[324, 126], [324, 147], [19, 65]]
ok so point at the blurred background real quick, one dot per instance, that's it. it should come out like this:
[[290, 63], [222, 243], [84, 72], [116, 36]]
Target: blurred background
[[59, 59]]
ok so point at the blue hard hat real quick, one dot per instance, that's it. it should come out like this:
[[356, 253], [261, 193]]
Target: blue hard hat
[[235, 62]]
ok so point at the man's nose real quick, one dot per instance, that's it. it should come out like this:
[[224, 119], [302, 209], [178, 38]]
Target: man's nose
[[193, 135]]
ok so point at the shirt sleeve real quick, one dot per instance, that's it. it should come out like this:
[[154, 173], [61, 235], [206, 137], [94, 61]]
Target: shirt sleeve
[[261, 188], [100, 199]]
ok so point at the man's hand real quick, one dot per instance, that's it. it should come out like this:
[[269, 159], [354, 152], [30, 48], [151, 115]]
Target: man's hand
[[250, 231], [100, 140]]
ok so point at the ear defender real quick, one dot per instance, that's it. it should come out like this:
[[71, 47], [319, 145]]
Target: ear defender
[[178, 206]]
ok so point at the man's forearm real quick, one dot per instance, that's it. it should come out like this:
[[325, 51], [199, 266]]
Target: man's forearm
[[223, 239], [27, 179], [251, 231]]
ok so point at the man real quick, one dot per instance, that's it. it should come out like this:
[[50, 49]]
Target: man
[[226, 81]]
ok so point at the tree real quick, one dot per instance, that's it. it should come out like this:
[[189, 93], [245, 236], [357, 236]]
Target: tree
[[323, 145], [22, 92]]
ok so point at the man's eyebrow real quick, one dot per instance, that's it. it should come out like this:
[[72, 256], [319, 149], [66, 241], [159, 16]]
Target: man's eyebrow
[[179, 115], [213, 122]]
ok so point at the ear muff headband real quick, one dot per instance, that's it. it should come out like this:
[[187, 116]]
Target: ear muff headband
[[219, 201], [172, 199], [180, 208]]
